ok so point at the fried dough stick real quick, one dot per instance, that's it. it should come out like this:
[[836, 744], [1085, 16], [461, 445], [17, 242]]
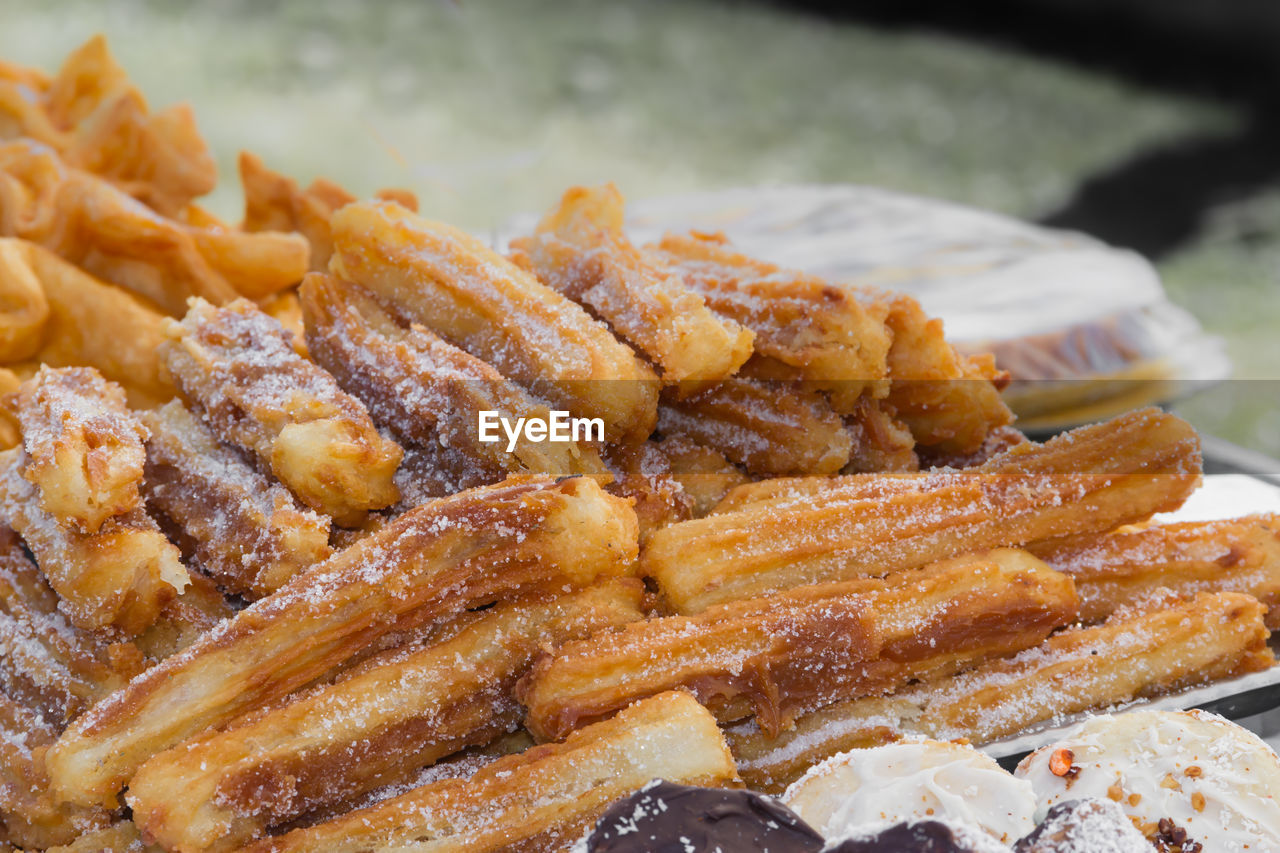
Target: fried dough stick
[[245, 530], [117, 578], [1163, 645], [236, 365], [424, 389], [121, 836], [541, 800], [428, 565], [1125, 566], [770, 428], [84, 450], [1086, 481], [799, 320], [47, 663], [580, 249], [183, 620], [392, 715], [792, 652], [450, 282], [641, 473], [704, 473]]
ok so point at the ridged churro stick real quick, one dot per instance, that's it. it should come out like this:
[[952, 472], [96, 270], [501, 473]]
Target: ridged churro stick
[[238, 367], [1086, 481], [704, 473], [378, 724], [447, 556], [1160, 646], [792, 652], [424, 389], [450, 282], [1124, 566], [541, 800], [580, 249], [84, 450], [244, 529]]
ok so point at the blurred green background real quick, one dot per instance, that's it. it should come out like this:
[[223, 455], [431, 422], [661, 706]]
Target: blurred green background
[[487, 109]]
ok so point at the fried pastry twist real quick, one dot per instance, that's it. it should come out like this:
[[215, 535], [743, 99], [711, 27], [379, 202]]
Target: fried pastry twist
[[245, 530], [84, 450], [431, 563], [540, 800], [450, 282], [580, 249], [237, 366], [1165, 644], [792, 652], [378, 724], [1086, 481], [704, 473]]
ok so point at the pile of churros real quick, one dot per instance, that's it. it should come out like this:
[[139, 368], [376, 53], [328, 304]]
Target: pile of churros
[[267, 584]]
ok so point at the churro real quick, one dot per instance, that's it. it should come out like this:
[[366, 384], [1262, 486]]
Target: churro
[[642, 473], [236, 365], [704, 473]]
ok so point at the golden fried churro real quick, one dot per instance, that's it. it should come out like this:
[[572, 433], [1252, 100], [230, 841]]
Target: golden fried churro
[[1162, 645], [118, 577], [580, 249], [770, 428], [1086, 481], [788, 653], [245, 530], [704, 473], [431, 563], [1124, 566], [198, 609], [542, 799], [453, 284], [881, 442], [799, 320], [236, 364], [390, 716], [641, 473], [424, 389], [121, 836], [84, 450]]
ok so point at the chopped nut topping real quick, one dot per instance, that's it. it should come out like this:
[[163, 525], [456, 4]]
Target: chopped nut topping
[[1197, 801], [1061, 761]]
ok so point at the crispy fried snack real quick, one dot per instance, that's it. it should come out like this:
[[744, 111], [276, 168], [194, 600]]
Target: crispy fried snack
[[799, 320], [881, 441], [273, 202], [1085, 481], [1160, 646], [580, 249], [10, 431], [641, 473], [26, 308], [792, 652], [236, 364], [29, 816], [1125, 566], [118, 577], [94, 225], [425, 390], [76, 303], [950, 402], [381, 722], [770, 428], [84, 450], [704, 473], [431, 563], [241, 527], [121, 836], [450, 282], [98, 121], [543, 799], [200, 608]]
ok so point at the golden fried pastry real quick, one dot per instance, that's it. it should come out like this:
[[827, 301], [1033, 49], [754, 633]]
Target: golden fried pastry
[[447, 556], [236, 365], [118, 577], [540, 800], [200, 608], [26, 308], [84, 450], [642, 474], [799, 320], [795, 651], [949, 401], [241, 527], [1124, 566], [425, 390], [1163, 645], [273, 202], [1086, 481], [881, 441], [450, 282], [704, 473], [10, 431], [121, 836], [771, 429], [580, 249], [379, 723]]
